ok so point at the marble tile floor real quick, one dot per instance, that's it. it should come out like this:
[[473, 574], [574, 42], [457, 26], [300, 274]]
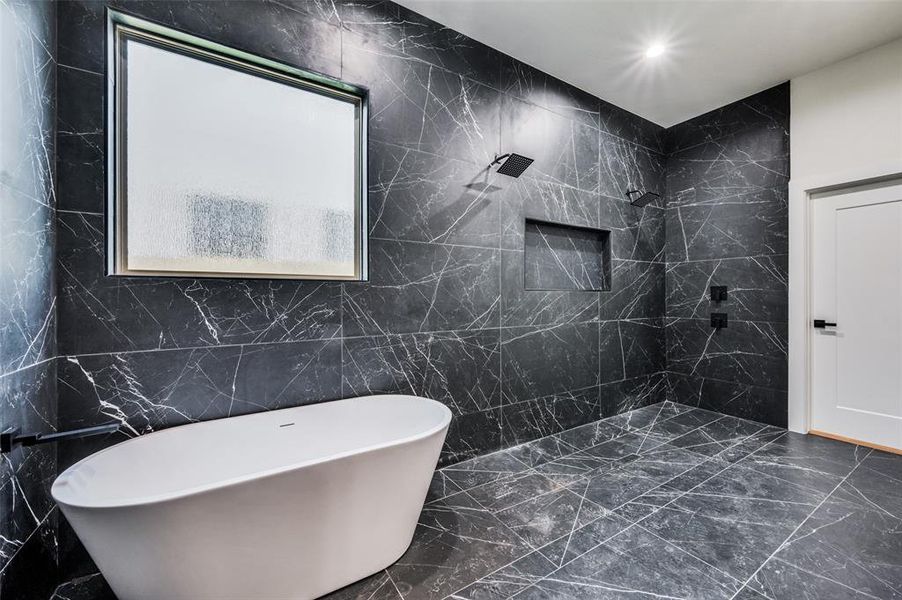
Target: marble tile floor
[[666, 501]]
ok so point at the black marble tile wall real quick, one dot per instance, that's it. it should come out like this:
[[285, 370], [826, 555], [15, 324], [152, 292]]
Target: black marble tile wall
[[446, 312], [727, 224], [27, 294]]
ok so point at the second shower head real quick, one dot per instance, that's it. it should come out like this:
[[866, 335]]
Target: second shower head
[[642, 198]]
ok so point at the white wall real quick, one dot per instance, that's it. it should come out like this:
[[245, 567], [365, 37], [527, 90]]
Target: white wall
[[845, 127], [847, 117]]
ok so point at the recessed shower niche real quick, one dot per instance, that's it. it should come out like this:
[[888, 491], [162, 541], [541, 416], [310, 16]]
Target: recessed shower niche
[[566, 257]]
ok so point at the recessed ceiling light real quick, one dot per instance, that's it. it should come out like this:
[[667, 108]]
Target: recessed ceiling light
[[655, 50]]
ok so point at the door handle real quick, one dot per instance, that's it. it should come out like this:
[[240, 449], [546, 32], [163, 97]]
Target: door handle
[[820, 324]]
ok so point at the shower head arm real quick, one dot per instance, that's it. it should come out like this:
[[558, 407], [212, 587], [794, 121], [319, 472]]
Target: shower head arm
[[500, 158]]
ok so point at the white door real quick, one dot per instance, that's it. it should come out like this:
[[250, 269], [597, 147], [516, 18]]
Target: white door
[[856, 364]]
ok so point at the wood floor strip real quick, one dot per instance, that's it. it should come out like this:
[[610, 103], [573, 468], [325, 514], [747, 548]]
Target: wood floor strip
[[842, 438]]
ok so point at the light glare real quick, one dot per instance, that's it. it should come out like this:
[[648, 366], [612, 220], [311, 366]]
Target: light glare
[[655, 50]]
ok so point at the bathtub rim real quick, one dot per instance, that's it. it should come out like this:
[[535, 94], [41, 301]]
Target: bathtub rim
[[187, 492]]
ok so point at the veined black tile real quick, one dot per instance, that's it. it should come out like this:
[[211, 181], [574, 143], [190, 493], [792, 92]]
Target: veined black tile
[[417, 287], [573, 468], [485, 469], [427, 198], [847, 548], [667, 429], [376, 23], [626, 166], [82, 46], [751, 353], [542, 361], [28, 398], [753, 223], [147, 391], [509, 580], [503, 494], [270, 29], [27, 301], [545, 200], [27, 402], [641, 417], [456, 543], [636, 233], [37, 555], [459, 369], [565, 151], [743, 163], [544, 450], [694, 417], [757, 288], [472, 435], [621, 396], [768, 110], [581, 540], [637, 291], [88, 587], [375, 587], [751, 444], [536, 87], [422, 107], [748, 593], [815, 463], [520, 306], [633, 478], [590, 434], [538, 417], [877, 482], [626, 447], [428, 41], [735, 520], [612, 366], [441, 486], [624, 124], [103, 314], [737, 399], [717, 436], [634, 564], [643, 345], [545, 518], [81, 167], [648, 503]]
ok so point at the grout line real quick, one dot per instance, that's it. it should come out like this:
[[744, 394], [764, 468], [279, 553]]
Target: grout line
[[799, 526], [28, 366], [612, 512], [725, 258], [34, 531], [751, 385]]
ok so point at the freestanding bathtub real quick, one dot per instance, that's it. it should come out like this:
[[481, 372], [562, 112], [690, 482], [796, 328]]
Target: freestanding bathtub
[[292, 503]]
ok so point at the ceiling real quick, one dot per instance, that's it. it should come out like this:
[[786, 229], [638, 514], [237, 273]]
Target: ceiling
[[718, 51]]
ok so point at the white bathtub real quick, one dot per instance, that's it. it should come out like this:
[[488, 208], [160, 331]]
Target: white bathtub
[[291, 503]]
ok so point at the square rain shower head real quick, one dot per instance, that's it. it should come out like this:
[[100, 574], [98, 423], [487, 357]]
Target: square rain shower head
[[641, 198], [514, 165]]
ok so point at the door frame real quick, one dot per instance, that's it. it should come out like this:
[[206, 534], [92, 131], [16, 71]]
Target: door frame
[[800, 223]]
